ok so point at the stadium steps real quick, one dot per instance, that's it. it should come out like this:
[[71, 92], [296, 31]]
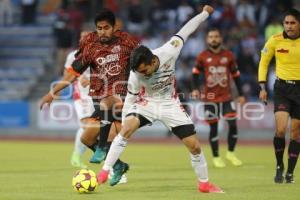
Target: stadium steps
[[26, 54]]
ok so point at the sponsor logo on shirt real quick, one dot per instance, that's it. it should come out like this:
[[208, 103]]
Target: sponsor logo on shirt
[[109, 65], [282, 50], [116, 49], [164, 83], [107, 59], [217, 76]]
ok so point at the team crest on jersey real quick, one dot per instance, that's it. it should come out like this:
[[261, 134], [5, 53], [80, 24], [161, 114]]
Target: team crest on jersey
[[223, 60], [264, 50], [175, 43], [209, 59], [116, 49]]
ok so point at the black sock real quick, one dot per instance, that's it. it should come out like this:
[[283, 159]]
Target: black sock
[[107, 118], [293, 153], [104, 132], [213, 139], [232, 136], [279, 145], [93, 147]]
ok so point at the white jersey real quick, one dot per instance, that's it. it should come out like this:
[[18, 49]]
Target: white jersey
[[161, 85], [83, 102], [82, 91]]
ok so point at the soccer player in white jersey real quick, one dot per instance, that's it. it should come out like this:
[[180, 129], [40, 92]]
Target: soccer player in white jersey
[[151, 96], [84, 108]]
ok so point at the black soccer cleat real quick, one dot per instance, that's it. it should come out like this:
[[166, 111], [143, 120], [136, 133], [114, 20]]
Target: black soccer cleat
[[289, 178], [279, 174]]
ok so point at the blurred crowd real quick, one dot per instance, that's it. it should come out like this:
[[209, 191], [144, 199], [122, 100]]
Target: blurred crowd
[[245, 25]]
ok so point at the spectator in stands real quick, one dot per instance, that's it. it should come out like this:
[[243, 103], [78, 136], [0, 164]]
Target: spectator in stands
[[29, 11], [184, 12], [245, 13], [63, 36], [273, 28], [6, 12], [136, 23], [75, 19]]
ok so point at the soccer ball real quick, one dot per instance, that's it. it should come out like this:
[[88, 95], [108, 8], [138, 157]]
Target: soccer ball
[[84, 181]]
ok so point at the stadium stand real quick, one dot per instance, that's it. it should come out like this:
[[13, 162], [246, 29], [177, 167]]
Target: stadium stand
[[25, 53]]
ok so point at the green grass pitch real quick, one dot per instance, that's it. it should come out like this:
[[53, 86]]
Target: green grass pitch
[[41, 171]]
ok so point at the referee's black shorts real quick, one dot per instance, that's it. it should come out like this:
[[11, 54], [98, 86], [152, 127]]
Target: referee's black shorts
[[287, 97]]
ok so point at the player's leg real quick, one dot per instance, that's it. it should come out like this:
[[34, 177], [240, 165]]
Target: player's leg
[[115, 128], [78, 151], [211, 111], [110, 108], [281, 109], [90, 134], [229, 114], [281, 121], [188, 136], [294, 145], [103, 145], [174, 116], [92, 128], [84, 108], [131, 123]]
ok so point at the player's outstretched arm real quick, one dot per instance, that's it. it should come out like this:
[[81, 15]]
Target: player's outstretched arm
[[193, 24], [66, 81]]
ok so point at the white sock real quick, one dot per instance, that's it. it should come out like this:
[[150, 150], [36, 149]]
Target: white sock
[[200, 166], [79, 147], [117, 147]]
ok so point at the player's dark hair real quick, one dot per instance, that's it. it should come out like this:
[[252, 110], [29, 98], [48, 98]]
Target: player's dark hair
[[294, 12], [213, 29], [140, 55], [105, 15]]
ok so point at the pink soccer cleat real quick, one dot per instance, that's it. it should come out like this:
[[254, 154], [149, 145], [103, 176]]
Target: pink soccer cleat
[[102, 176], [207, 187]]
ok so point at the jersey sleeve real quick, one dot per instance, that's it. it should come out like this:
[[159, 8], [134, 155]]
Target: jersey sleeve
[[198, 67], [70, 59], [233, 67], [267, 54], [173, 46], [82, 56]]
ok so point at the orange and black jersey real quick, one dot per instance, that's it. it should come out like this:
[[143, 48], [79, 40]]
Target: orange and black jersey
[[217, 70], [109, 63]]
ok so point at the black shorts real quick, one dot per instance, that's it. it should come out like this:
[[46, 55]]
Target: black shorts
[[214, 111], [107, 115], [287, 97], [181, 131]]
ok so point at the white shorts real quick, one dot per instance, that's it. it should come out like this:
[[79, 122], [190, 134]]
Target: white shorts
[[84, 107], [169, 112]]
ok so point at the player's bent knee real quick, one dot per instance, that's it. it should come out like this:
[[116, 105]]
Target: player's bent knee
[[280, 132], [85, 141], [127, 131], [184, 131], [195, 148]]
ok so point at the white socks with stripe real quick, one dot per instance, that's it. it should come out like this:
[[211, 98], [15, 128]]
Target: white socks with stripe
[[200, 166], [116, 149]]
